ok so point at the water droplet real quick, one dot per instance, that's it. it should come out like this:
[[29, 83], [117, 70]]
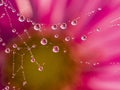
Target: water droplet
[[28, 20], [13, 10], [54, 27], [55, 49], [74, 22], [99, 9], [43, 41], [98, 30], [14, 45], [33, 59], [37, 27], [56, 35], [3, 44], [18, 14], [18, 48], [25, 30], [63, 26], [40, 68], [33, 46], [1, 39], [7, 50], [1, 2], [67, 38], [7, 88], [24, 83], [84, 37], [13, 30], [21, 18]]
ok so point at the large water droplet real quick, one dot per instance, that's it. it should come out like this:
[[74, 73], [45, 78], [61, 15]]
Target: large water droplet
[[63, 26], [7, 50], [84, 37], [74, 22], [55, 49], [21, 18], [37, 27], [54, 27], [43, 41]]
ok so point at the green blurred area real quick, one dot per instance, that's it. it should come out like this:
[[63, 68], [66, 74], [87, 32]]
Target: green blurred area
[[58, 69]]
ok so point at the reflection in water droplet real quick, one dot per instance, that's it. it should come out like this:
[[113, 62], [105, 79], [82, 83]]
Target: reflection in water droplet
[[37, 27], [54, 27], [74, 22], [40, 68], [21, 18], [43, 41], [55, 49], [63, 26], [7, 50], [84, 37]]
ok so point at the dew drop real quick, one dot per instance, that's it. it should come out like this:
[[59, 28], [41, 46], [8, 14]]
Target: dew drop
[[40, 68], [98, 29], [33, 46], [18, 48], [55, 49], [24, 83], [54, 27], [1, 39], [13, 30], [63, 26], [56, 35], [99, 9], [67, 38], [33, 60], [74, 22], [3, 44], [13, 10], [7, 88], [21, 18], [43, 41], [1, 2], [28, 20], [7, 50], [14, 46], [84, 37], [37, 27]]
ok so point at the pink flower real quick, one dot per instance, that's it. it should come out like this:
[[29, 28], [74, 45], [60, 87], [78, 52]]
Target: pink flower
[[90, 29]]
